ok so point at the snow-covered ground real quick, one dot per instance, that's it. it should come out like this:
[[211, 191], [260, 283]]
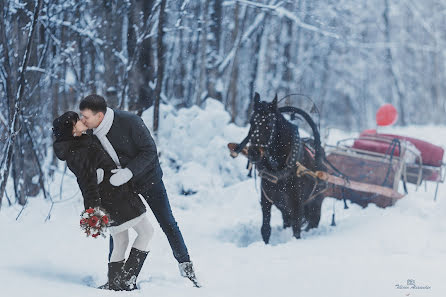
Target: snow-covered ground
[[368, 253]]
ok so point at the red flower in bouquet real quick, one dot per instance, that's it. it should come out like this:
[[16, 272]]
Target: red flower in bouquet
[[94, 222]]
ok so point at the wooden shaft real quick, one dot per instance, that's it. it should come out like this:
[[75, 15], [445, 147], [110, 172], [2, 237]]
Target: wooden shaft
[[358, 186]]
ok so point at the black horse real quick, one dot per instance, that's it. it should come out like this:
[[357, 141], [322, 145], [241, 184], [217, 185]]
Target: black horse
[[275, 148]]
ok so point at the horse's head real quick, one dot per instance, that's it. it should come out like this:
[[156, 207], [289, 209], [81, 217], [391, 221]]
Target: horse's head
[[263, 127]]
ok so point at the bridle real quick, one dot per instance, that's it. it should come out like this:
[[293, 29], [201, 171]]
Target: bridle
[[260, 120]]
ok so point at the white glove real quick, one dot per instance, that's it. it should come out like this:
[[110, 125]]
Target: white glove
[[100, 175], [120, 176]]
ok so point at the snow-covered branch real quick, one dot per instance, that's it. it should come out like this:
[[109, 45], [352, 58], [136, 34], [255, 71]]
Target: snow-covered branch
[[283, 12], [86, 32], [230, 56], [3, 120], [426, 26]]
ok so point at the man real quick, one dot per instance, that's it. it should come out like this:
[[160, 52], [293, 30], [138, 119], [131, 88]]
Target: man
[[127, 140]]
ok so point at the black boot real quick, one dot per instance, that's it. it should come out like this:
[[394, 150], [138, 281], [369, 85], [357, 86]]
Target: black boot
[[132, 268], [115, 274], [187, 270]]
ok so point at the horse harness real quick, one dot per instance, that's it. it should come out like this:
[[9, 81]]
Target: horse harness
[[295, 155], [259, 121], [301, 171]]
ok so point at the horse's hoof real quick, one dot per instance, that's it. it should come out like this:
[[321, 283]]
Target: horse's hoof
[[309, 227]]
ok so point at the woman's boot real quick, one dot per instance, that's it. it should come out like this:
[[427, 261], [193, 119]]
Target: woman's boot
[[115, 275], [132, 268]]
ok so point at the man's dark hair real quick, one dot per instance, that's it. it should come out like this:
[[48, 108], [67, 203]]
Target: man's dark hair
[[94, 102]]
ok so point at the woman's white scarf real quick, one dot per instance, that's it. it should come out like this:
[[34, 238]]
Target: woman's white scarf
[[101, 133]]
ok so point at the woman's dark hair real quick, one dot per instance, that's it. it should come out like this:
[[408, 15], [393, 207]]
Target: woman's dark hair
[[94, 102], [63, 126]]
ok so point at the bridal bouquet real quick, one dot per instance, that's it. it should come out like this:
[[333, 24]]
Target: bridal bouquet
[[94, 222]]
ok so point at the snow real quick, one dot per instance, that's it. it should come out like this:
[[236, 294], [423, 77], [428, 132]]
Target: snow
[[70, 77], [368, 253]]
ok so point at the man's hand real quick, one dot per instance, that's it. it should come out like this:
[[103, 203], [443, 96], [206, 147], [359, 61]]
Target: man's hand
[[100, 175], [120, 176]]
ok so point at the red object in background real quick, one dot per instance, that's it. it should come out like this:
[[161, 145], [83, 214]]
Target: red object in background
[[386, 115], [368, 132], [431, 154], [376, 146]]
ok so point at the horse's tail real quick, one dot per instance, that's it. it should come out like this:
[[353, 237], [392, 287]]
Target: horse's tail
[[317, 137]]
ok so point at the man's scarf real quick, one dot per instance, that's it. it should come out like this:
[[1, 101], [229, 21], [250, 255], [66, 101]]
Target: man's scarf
[[101, 133]]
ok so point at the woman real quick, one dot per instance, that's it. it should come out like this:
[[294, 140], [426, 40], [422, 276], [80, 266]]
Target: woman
[[92, 166]]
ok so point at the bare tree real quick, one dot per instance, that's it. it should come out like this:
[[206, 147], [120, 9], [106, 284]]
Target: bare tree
[[160, 70], [391, 66], [14, 125], [214, 12]]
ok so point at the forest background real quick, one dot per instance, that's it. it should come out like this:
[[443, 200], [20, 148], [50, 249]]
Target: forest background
[[348, 56]]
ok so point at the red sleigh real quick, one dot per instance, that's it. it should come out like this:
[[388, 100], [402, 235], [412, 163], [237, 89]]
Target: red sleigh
[[386, 159], [430, 158]]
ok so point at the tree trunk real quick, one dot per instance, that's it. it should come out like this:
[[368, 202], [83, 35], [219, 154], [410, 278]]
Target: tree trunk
[[92, 81], [391, 66], [212, 50], [160, 70], [111, 28], [201, 93], [6, 162], [255, 69], [18, 164], [234, 71], [140, 93], [54, 82]]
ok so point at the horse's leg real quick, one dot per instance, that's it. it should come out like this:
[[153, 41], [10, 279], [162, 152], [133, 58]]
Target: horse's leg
[[266, 211], [282, 203], [313, 212], [286, 219], [297, 210]]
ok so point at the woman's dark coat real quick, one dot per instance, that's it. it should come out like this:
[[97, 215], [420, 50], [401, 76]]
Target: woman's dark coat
[[84, 155]]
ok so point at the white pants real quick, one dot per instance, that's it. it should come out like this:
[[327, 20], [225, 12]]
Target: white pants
[[143, 228]]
